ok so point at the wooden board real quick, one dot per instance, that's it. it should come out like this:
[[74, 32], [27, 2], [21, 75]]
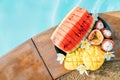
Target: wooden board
[[114, 14], [48, 53], [23, 63]]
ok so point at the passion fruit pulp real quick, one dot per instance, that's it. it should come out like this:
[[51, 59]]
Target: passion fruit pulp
[[95, 37]]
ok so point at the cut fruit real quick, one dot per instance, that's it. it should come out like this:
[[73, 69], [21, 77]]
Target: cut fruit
[[106, 33], [93, 58], [107, 45], [72, 29], [95, 37], [99, 25], [73, 59]]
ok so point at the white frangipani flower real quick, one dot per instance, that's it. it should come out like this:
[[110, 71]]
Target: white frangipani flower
[[85, 44], [95, 17], [108, 55], [82, 69], [60, 58]]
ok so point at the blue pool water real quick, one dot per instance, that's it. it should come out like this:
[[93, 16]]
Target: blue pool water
[[22, 19]]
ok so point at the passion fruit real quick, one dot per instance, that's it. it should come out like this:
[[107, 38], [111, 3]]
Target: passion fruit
[[107, 45], [106, 33], [99, 25], [95, 37]]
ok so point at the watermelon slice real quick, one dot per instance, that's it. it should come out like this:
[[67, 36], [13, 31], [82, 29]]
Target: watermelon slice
[[74, 27]]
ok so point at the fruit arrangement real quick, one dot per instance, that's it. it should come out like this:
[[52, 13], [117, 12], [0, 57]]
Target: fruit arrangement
[[83, 40]]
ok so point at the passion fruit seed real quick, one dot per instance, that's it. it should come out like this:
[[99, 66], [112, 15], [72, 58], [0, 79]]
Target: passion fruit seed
[[95, 37]]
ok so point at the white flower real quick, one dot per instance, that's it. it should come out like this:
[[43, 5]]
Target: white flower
[[85, 44], [108, 55], [60, 58], [95, 17], [82, 69]]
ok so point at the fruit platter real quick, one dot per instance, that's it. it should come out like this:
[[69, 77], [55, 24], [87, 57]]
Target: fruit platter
[[83, 41]]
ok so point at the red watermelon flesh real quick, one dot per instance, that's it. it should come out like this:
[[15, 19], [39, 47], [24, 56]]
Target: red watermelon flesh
[[73, 33], [72, 29]]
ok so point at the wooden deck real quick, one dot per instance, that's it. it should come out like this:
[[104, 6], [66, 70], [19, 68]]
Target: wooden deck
[[36, 58]]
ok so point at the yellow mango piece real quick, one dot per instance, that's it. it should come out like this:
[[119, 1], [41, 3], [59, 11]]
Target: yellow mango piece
[[93, 58], [73, 59]]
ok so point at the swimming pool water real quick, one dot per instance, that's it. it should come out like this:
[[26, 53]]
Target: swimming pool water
[[22, 19]]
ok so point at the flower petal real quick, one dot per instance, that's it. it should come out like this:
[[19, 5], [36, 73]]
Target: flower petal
[[60, 58], [108, 55], [112, 52], [85, 44], [112, 55], [86, 73], [108, 58], [87, 68], [61, 61], [79, 67], [82, 69], [81, 72]]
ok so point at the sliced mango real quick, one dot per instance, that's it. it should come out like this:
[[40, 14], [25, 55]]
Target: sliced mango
[[93, 58], [73, 59]]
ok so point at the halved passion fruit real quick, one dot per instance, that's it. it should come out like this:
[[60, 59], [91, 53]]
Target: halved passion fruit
[[95, 37]]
